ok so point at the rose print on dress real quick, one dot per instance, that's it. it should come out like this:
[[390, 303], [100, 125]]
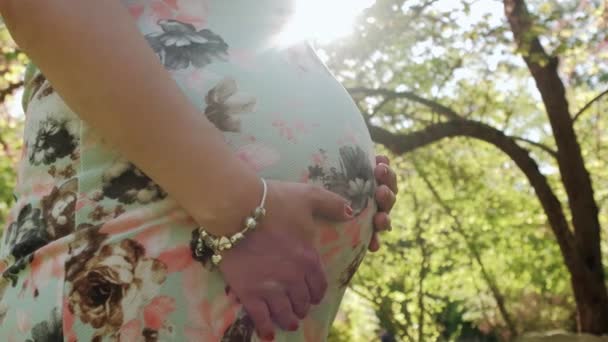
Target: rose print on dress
[[114, 286], [224, 103], [354, 180], [55, 139], [128, 184], [180, 45]]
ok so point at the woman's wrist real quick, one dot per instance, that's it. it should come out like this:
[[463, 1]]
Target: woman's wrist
[[216, 245], [231, 206]]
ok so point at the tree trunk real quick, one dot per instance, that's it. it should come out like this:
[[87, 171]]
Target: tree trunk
[[587, 273]]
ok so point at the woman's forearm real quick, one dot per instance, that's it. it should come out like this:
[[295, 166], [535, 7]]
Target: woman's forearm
[[95, 57]]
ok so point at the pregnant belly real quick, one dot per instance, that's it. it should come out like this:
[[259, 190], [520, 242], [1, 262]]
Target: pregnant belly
[[288, 118]]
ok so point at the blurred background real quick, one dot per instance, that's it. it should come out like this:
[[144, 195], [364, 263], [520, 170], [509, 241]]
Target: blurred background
[[494, 115]]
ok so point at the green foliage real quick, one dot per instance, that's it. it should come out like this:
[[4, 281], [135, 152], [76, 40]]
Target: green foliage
[[461, 198], [12, 64]]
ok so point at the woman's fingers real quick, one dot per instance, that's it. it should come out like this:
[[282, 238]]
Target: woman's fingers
[[382, 159], [282, 311], [386, 176], [385, 198], [300, 298], [382, 222], [374, 244], [316, 279], [329, 204], [260, 315]]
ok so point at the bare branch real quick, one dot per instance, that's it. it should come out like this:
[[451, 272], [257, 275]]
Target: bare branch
[[589, 104], [543, 147], [4, 93], [6, 148], [435, 106]]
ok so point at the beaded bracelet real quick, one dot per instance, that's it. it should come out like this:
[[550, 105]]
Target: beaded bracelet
[[217, 244]]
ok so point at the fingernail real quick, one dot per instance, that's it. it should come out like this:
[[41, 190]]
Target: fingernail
[[293, 327], [348, 210], [269, 336], [385, 169]]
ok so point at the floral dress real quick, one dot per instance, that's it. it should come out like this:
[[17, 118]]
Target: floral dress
[[95, 250]]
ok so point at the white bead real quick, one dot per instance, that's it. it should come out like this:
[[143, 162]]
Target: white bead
[[259, 213], [250, 223], [216, 258], [236, 237], [224, 243]]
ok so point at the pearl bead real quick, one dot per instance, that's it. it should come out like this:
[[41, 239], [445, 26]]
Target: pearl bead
[[236, 238], [250, 223], [224, 243], [259, 213]]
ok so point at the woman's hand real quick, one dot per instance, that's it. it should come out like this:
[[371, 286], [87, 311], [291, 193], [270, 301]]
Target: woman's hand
[[385, 197], [276, 272]]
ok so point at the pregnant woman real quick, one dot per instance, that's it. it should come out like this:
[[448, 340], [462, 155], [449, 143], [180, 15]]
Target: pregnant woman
[[184, 178]]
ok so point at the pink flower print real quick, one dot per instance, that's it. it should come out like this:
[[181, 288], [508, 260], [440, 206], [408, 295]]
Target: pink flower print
[[131, 331], [43, 188], [284, 130], [352, 229], [154, 239], [313, 332], [161, 10], [40, 274], [123, 223], [68, 322], [156, 313], [23, 322], [290, 130], [208, 318], [328, 256], [136, 11], [177, 259], [328, 236], [194, 282], [211, 319], [171, 3], [258, 156]]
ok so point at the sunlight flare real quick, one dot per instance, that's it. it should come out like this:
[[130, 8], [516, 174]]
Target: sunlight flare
[[321, 20]]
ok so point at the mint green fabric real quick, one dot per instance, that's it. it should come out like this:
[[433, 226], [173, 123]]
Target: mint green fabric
[[95, 250]]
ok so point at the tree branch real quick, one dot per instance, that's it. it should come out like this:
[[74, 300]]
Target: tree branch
[[543, 147], [4, 93], [589, 104], [403, 143], [6, 148], [435, 106]]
